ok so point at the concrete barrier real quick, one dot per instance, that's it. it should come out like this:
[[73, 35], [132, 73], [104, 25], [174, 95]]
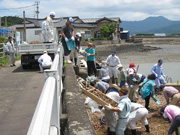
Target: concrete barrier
[[78, 120]]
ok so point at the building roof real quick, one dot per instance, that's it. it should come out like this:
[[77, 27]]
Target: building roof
[[96, 20]]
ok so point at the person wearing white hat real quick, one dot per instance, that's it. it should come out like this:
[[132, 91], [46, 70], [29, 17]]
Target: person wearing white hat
[[132, 80], [123, 75], [104, 72], [48, 28], [45, 61], [113, 61], [67, 33], [74, 52]]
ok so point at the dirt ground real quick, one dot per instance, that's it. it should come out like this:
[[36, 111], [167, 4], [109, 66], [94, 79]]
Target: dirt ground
[[146, 54]]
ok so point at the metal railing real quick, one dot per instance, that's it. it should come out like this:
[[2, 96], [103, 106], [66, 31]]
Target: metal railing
[[46, 119], [2, 53]]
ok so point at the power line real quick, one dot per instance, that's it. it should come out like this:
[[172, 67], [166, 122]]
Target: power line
[[18, 7]]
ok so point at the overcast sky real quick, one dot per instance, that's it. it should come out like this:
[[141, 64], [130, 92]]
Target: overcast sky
[[127, 10]]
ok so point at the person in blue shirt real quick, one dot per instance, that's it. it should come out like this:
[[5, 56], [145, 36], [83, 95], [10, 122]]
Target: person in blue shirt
[[90, 52], [123, 109], [157, 69], [147, 89]]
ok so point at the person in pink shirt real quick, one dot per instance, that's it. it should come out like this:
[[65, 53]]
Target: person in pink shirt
[[173, 113], [173, 93]]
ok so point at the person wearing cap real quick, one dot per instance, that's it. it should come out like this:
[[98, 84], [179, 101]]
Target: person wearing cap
[[45, 61], [157, 69], [113, 61], [90, 53], [131, 66], [123, 75], [147, 89], [67, 33], [123, 109], [173, 113], [74, 52], [48, 28], [173, 93], [132, 81], [11, 51], [104, 72], [138, 113]]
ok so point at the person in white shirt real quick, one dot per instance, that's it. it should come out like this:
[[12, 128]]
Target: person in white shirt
[[113, 61], [45, 61], [11, 51], [138, 113], [49, 28], [43, 26]]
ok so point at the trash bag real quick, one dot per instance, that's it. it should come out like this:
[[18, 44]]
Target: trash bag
[[92, 104]]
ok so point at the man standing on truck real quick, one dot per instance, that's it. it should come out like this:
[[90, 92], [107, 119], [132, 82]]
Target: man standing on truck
[[67, 33], [45, 61], [11, 51], [49, 28]]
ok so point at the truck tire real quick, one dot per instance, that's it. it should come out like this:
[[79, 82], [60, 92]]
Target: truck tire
[[24, 66]]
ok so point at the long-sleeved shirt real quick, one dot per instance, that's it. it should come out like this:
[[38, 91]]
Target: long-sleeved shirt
[[45, 59], [10, 47], [171, 112], [130, 79], [157, 70], [113, 61], [104, 72], [169, 92], [123, 75]]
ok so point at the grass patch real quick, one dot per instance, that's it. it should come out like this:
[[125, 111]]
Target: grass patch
[[5, 61]]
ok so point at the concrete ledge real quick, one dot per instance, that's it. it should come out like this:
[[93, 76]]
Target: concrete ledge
[[78, 120]]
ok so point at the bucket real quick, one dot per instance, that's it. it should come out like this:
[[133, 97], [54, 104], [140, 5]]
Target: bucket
[[70, 44]]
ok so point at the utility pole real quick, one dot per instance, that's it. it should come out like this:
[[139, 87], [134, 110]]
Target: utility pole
[[5, 21], [0, 21], [37, 7], [24, 35]]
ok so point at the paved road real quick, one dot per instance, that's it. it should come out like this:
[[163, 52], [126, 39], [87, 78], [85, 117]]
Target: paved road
[[19, 93]]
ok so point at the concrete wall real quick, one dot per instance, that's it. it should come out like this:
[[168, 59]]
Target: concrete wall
[[100, 42], [161, 40], [78, 120]]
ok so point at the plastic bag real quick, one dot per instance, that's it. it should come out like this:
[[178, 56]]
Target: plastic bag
[[92, 104]]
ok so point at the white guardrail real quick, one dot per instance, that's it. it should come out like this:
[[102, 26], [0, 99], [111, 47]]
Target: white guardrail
[[46, 119], [2, 51]]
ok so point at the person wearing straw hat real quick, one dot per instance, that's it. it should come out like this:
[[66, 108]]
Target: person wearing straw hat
[[45, 61], [90, 53]]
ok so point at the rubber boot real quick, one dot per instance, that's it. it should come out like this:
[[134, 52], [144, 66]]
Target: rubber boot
[[147, 128], [133, 131], [75, 61]]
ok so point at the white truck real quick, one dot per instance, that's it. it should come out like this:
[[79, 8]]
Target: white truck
[[31, 52]]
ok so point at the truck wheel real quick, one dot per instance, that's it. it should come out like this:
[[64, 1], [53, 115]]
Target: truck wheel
[[24, 66]]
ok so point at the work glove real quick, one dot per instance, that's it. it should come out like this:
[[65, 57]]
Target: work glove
[[126, 84], [72, 38], [131, 86], [66, 39], [164, 76], [109, 107], [134, 80], [88, 54]]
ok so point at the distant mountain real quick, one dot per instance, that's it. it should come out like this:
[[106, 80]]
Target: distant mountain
[[152, 25]]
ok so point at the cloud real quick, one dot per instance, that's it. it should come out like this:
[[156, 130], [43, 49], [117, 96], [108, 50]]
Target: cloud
[[125, 9]]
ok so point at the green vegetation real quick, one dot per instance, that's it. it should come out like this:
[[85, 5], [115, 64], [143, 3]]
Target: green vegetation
[[143, 34], [108, 38], [10, 20], [3, 40], [107, 29]]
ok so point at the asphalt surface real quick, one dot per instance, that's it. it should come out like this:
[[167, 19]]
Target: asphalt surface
[[19, 94]]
